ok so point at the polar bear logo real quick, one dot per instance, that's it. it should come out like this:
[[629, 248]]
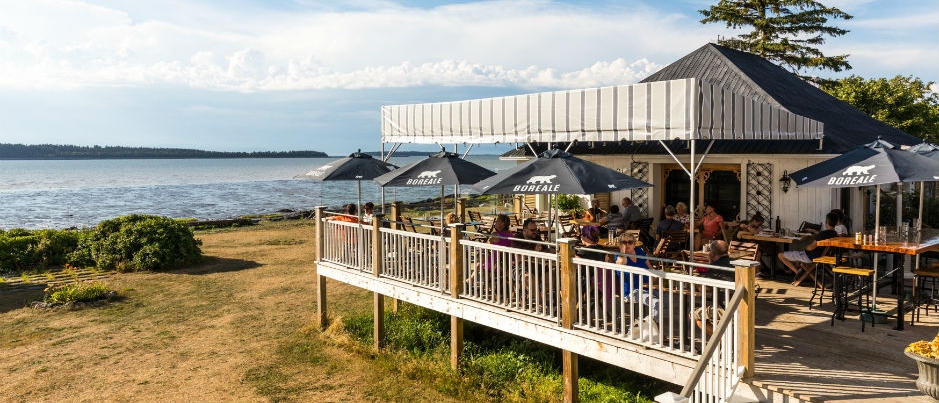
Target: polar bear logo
[[858, 170], [428, 174], [541, 179]]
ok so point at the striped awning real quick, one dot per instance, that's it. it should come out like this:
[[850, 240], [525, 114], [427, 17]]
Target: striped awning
[[664, 110]]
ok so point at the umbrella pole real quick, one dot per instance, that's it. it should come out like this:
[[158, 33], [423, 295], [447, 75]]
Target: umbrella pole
[[876, 255], [922, 194]]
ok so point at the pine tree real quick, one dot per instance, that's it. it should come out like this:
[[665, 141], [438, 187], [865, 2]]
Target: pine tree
[[784, 31]]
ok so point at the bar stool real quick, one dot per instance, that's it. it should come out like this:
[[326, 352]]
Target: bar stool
[[851, 279], [822, 264], [921, 277]]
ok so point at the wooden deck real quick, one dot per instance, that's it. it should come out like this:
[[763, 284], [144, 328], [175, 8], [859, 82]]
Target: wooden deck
[[800, 355]]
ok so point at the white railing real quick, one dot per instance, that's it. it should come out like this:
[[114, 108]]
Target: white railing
[[511, 278], [661, 310], [416, 259]]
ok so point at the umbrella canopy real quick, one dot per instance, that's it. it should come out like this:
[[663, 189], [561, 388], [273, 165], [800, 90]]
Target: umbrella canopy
[[439, 169], [556, 172], [872, 164], [926, 149], [356, 166]]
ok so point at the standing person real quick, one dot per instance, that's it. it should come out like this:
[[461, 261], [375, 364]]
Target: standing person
[[710, 224], [812, 251], [681, 214], [368, 212], [631, 212]]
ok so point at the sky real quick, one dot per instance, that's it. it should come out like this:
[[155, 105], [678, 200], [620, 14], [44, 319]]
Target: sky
[[282, 75]]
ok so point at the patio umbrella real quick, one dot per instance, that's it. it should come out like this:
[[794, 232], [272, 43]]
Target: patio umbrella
[[357, 166], [930, 151], [556, 172], [439, 169], [876, 163]]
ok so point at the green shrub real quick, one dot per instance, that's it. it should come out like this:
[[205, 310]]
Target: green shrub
[[77, 292], [138, 242], [22, 249]]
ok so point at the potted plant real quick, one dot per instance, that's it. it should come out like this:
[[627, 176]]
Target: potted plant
[[926, 355], [570, 204]]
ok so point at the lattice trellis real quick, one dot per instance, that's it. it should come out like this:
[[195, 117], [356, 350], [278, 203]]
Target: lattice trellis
[[759, 190], [640, 197]]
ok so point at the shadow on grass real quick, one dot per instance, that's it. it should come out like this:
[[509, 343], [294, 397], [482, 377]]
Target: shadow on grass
[[16, 296], [212, 264]]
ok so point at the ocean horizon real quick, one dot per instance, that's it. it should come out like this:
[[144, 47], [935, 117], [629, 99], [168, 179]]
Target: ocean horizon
[[55, 194]]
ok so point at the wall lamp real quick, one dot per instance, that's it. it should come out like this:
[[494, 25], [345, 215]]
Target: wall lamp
[[785, 181]]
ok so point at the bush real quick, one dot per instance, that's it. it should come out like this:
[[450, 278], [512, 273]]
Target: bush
[[77, 292], [138, 242], [22, 249]]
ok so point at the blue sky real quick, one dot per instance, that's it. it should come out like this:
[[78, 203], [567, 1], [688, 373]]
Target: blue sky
[[278, 75]]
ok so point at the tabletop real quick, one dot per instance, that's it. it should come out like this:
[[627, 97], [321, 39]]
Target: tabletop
[[795, 237], [907, 248]]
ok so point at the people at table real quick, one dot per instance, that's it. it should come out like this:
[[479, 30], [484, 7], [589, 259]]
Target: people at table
[[681, 214], [793, 258], [594, 213], [631, 212], [613, 221], [529, 232], [710, 225]]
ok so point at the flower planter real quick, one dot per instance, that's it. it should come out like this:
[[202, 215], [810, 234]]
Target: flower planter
[[928, 381]]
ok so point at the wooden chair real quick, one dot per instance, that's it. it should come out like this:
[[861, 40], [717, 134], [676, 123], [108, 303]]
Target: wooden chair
[[807, 226], [677, 240], [660, 249], [744, 250], [569, 228], [407, 223], [808, 269]]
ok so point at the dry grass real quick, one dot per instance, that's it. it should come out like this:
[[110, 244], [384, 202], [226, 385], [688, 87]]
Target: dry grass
[[237, 328]]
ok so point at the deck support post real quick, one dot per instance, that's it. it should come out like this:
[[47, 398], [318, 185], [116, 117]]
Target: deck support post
[[568, 311], [456, 288], [379, 300], [461, 210], [745, 276], [320, 281]]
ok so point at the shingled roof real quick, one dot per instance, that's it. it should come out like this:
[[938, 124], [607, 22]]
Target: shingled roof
[[846, 128]]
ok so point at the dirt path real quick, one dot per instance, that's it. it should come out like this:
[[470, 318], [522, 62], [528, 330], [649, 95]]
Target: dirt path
[[236, 328]]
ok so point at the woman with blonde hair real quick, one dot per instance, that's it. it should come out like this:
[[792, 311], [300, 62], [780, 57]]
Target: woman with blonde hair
[[681, 214]]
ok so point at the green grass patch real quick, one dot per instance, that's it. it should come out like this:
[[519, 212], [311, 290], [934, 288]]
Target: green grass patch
[[77, 292]]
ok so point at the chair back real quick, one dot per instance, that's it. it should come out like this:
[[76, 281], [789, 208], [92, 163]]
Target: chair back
[[744, 250], [475, 216], [807, 226], [407, 223]]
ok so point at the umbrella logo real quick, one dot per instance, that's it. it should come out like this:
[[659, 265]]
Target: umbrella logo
[[538, 183], [854, 175], [426, 178]]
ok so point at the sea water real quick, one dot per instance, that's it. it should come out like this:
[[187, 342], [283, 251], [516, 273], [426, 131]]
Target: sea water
[[38, 194]]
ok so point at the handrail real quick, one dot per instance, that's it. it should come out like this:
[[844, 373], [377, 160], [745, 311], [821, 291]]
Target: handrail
[[714, 341]]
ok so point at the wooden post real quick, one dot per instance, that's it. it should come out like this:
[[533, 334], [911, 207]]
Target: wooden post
[[379, 300], [746, 276], [517, 202], [456, 288], [320, 282], [568, 311], [461, 210]]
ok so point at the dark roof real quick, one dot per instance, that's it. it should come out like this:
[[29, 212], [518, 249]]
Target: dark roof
[[846, 128]]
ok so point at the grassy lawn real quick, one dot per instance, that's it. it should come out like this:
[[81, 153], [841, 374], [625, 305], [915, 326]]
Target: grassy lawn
[[236, 328]]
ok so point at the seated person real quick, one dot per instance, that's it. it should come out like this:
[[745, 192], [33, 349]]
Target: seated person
[[590, 238], [368, 212], [349, 212], [669, 224], [529, 232], [452, 218], [613, 221], [627, 245], [751, 227], [594, 213], [718, 254], [793, 257], [710, 225]]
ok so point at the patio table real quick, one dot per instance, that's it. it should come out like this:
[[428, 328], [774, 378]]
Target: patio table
[[928, 243], [776, 241]]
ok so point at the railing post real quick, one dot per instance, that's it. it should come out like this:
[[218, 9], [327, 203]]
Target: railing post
[[396, 214], [517, 202], [568, 310], [745, 276], [320, 282], [379, 300], [461, 210], [456, 288]]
